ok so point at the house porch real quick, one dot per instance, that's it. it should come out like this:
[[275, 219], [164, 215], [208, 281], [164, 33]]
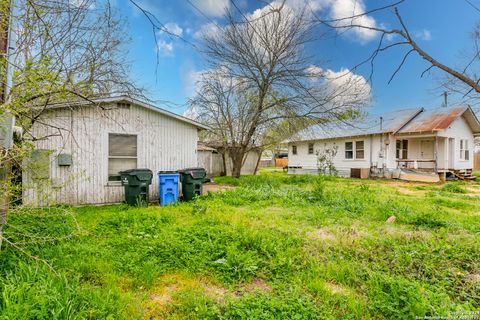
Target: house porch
[[428, 153]]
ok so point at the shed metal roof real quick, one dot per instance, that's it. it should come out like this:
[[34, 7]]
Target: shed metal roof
[[132, 101]]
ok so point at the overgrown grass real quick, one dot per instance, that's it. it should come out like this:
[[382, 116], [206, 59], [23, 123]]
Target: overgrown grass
[[276, 246]]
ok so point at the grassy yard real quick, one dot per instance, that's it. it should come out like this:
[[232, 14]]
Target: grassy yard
[[273, 247]]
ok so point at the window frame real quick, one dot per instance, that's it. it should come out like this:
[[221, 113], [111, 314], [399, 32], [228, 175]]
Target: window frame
[[353, 150], [310, 148], [294, 149], [349, 150], [403, 150], [464, 150], [357, 149], [109, 157]]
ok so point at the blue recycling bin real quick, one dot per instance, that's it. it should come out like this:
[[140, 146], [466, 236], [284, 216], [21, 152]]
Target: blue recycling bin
[[168, 187]]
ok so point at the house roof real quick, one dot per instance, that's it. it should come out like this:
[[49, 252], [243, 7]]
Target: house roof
[[440, 119], [201, 146], [131, 100], [388, 123], [405, 121]]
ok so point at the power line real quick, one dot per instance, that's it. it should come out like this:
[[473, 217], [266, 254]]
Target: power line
[[472, 5]]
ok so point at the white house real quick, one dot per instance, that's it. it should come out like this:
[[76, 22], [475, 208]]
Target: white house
[[439, 141], [84, 145]]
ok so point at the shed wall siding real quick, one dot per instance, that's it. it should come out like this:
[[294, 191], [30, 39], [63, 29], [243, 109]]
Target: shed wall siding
[[163, 143]]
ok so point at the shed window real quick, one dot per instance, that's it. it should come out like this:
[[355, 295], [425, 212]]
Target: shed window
[[310, 148], [402, 149], [122, 154], [464, 152], [359, 150], [294, 149], [348, 150]]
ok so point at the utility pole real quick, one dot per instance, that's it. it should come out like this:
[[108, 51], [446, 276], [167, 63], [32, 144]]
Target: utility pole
[[445, 99], [6, 120]]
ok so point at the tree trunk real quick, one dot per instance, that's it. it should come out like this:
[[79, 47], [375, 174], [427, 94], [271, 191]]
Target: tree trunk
[[224, 160], [237, 162], [258, 162]]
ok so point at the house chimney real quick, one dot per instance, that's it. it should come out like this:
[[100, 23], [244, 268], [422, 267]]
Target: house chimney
[[445, 99]]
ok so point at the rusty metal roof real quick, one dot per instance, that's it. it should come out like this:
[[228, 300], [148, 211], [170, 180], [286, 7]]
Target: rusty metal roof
[[405, 121], [433, 120], [391, 122]]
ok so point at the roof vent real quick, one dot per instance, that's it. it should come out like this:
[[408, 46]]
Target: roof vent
[[123, 105]]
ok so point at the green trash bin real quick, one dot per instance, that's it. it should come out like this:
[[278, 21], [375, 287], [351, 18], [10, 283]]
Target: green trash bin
[[137, 184], [192, 182]]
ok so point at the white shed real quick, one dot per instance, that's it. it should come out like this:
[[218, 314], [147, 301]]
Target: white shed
[[80, 149]]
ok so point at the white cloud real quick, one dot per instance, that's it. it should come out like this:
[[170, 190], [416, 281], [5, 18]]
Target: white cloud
[[190, 80], [314, 72], [174, 28], [341, 86], [424, 34], [165, 48], [206, 30], [167, 38], [337, 9], [341, 9], [212, 8]]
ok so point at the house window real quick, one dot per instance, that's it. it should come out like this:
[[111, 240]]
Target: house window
[[122, 154], [464, 152], [402, 149], [359, 150], [348, 150], [355, 150], [310, 148], [294, 149]]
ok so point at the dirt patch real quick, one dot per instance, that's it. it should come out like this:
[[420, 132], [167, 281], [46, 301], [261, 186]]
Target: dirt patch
[[335, 288], [406, 234], [321, 234], [403, 190], [473, 277], [213, 187], [164, 293], [165, 296], [472, 192], [256, 285]]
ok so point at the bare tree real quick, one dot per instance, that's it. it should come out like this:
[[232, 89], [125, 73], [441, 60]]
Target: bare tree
[[260, 78], [464, 80]]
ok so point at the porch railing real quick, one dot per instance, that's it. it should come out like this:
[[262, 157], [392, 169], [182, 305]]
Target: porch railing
[[416, 164]]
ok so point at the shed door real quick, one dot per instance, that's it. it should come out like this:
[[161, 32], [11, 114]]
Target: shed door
[[426, 149]]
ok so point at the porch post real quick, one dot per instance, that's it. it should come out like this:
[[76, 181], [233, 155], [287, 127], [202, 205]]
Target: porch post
[[435, 153], [446, 155]]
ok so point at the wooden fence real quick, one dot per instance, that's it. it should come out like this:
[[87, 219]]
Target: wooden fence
[[281, 162], [476, 161]]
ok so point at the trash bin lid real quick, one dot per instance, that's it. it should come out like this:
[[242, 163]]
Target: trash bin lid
[[167, 172], [141, 174], [195, 173]]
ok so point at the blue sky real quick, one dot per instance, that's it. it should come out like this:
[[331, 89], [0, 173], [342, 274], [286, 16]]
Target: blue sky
[[441, 27]]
